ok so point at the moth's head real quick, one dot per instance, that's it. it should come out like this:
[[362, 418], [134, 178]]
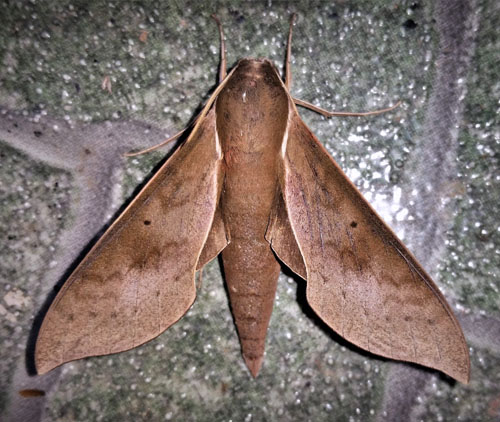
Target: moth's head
[[257, 69], [261, 62]]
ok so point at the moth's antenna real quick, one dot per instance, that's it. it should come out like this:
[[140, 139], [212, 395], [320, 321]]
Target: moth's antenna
[[327, 113], [222, 69], [288, 63]]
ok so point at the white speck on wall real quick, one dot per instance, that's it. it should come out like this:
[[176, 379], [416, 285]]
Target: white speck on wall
[[15, 298], [354, 174], [356, 138]]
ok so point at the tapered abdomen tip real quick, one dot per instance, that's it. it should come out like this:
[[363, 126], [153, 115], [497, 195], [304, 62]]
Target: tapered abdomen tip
[[253, 364]]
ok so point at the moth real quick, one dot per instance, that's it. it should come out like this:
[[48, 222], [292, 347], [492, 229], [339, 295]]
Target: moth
[[252, 183]]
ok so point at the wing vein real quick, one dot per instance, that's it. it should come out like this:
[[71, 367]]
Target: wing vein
[[136, 307], [159, 298], [361, 275], [320, 228], [413, 272], [414, 343], [63, 345]]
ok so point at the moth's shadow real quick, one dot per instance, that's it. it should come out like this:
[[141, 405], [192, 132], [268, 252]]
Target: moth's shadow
[[37, 322]]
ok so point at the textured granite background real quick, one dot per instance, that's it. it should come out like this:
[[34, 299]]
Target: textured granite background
[[430, 168]]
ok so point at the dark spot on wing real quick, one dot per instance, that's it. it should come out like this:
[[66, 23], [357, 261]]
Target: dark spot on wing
[[354, 224], [147, 222]]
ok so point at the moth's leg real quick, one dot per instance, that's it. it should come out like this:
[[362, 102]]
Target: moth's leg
[[166, 141], [200, 275], [288, 62], [161, 144], [341, 113], [222, 69]]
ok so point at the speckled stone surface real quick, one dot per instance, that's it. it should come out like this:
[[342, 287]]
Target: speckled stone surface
[[430, 168]]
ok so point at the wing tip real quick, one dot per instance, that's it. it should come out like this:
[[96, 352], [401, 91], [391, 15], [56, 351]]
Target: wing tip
[[44, 366], [462, 372], [463, 377], [44, 357], [457, 365]]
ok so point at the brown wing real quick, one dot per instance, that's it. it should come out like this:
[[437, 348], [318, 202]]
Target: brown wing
[[217, 240], [139, 278], [361, 280], [280, 235]]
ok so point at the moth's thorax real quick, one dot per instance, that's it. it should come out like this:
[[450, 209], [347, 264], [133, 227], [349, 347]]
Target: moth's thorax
[[252, 109]]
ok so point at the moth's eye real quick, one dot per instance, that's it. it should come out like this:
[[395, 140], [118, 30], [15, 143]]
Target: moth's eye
[[354, 224], [147, 222]]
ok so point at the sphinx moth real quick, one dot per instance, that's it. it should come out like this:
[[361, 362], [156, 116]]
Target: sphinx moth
[[252, 183]]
